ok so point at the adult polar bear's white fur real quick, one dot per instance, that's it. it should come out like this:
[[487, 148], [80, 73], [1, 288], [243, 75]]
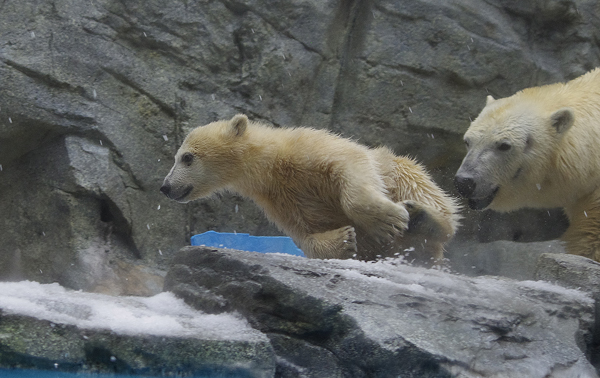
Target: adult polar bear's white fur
[[540, 148]]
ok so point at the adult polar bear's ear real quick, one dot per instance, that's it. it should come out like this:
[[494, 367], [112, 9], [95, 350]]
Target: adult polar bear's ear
[[489, 99], [562, 119], [238, 124]]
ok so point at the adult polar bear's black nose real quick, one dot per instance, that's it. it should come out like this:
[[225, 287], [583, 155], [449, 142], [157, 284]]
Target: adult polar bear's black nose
[[166, 189], [465, 185]]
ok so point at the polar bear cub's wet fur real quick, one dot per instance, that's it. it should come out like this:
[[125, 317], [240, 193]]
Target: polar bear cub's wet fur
[[335, 198]]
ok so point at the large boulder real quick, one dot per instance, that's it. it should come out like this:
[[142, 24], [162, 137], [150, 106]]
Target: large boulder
[[348, 318], [574, 272]]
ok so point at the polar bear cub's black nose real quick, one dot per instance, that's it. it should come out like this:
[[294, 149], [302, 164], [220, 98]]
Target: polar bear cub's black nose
[[166, 189], [465, 185]]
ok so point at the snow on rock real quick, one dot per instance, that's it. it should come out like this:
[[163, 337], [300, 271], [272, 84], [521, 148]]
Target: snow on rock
[[352, 318], [46, 326], [160, 315]]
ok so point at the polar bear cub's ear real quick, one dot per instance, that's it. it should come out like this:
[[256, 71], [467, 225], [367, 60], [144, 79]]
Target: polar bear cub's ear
[[562, 119], [238, 124], [489, 99]]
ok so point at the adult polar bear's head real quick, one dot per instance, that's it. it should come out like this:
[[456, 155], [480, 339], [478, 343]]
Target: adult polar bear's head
[[508, 150], [208, 160]]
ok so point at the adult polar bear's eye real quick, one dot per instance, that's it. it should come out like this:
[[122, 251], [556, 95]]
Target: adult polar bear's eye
[[187, 158], [504, 146]]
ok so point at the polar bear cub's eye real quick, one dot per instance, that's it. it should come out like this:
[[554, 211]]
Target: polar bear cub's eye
[[504, 146], [187, 158]]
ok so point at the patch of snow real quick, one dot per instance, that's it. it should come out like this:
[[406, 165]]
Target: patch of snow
[[160, 315], [435, 283]]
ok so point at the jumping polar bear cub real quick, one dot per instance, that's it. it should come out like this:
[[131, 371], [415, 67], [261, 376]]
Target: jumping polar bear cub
[[333, 197], [540, 148]]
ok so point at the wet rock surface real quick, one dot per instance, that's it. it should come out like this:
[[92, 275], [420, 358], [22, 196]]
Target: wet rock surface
[[579, 273], [352, 319], [272, 315]]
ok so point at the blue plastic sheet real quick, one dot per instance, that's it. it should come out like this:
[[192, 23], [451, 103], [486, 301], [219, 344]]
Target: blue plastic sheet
[[246, 242]]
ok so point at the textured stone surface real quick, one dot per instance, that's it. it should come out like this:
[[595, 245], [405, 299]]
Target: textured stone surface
[[346, 318], [579, 273], [37, 344], [97, 96]]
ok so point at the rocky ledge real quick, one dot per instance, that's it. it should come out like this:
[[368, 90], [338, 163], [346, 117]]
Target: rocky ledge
[[337, 318], [273, 315]]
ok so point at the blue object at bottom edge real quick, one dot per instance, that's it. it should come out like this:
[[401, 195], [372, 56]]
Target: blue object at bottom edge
[[246, 242], [26, 373]]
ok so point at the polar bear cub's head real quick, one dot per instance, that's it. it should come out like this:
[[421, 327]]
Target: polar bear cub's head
[[208, 160]]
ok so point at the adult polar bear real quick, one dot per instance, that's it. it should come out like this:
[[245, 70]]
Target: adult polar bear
[[540, 148], [334, 197]]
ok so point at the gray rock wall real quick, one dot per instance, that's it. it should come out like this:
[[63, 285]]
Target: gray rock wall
[[95, 98]]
